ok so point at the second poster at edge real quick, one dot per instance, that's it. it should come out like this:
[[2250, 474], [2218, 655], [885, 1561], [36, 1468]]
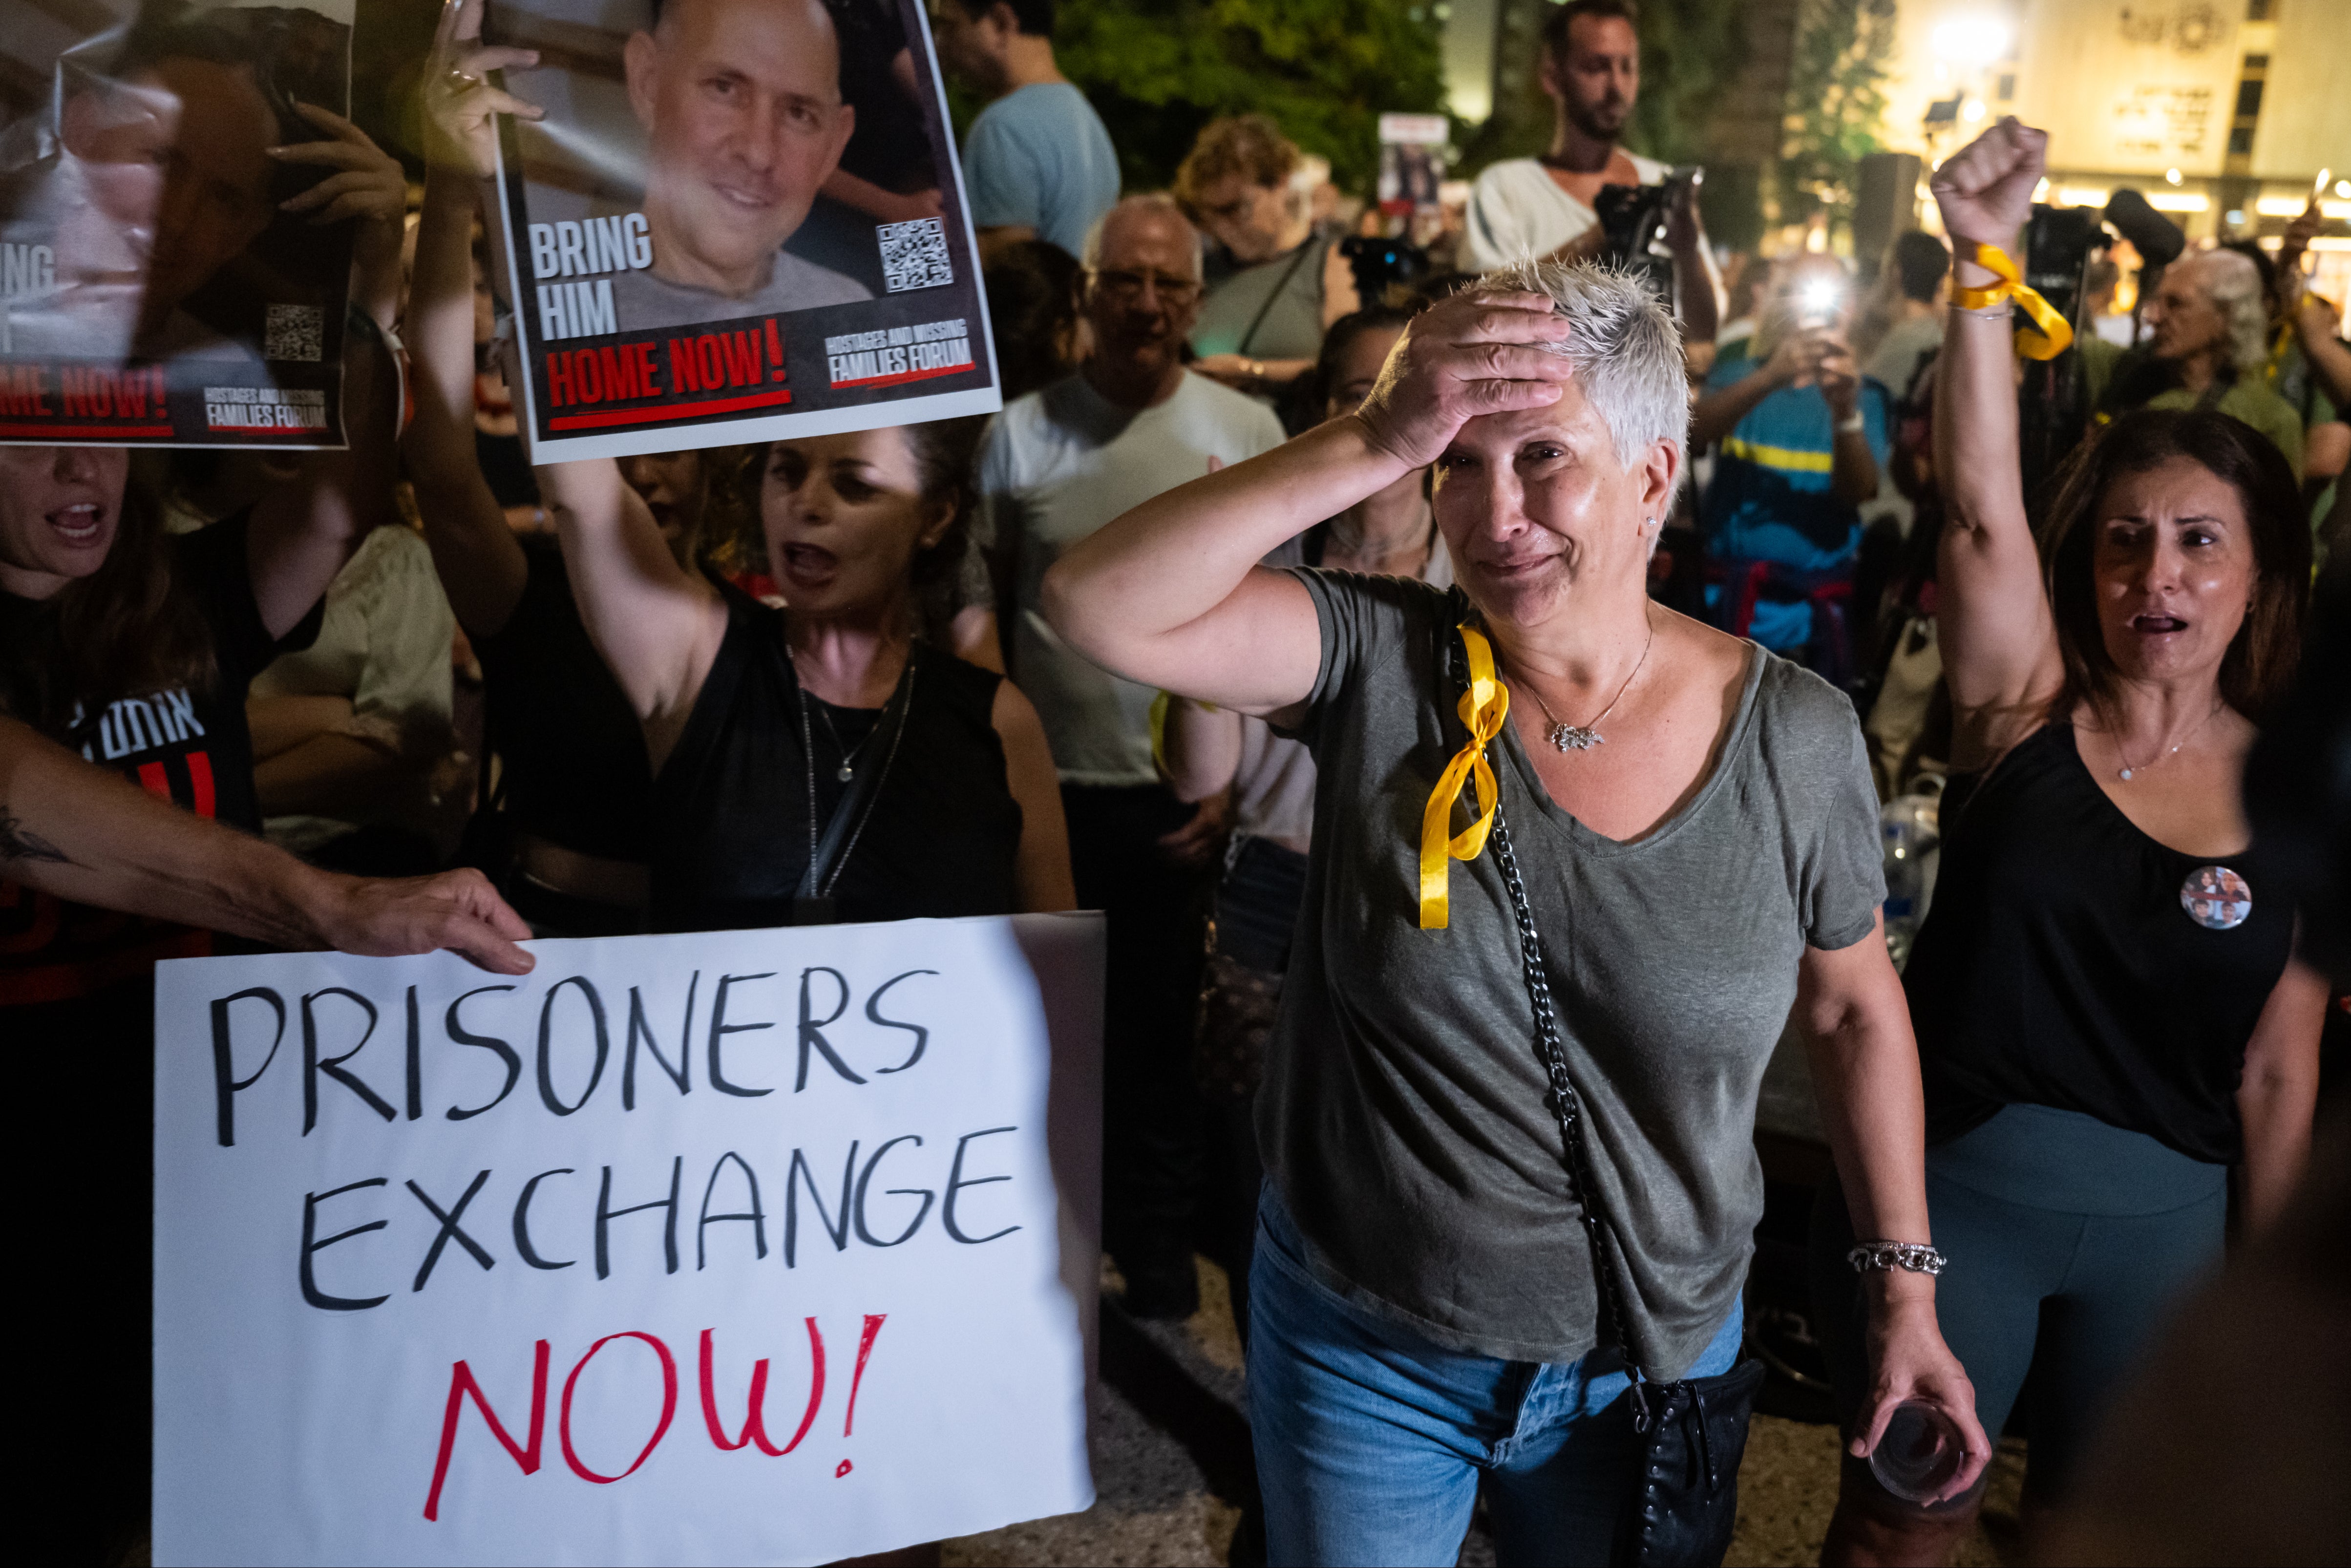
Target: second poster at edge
[[740, 220]]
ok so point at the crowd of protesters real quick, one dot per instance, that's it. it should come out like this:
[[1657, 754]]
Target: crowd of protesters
[[1182, 635]]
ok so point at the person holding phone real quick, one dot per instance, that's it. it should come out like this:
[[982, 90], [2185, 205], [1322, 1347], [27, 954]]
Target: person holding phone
[[1800, 436]]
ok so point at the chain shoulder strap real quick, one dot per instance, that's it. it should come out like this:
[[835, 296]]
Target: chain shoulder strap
[[1565, 1103]]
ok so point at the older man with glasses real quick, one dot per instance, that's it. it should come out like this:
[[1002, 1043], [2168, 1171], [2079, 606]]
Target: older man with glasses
[[1131, 424]]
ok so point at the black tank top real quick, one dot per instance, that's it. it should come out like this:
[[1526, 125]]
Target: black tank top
[[573, 752], [2061, 967], [730, 810]]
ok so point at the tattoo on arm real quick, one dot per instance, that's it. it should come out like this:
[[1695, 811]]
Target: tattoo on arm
[[18, 843]]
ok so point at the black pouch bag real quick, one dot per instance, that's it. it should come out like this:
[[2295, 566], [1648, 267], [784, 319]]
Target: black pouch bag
[[1693, 1433]]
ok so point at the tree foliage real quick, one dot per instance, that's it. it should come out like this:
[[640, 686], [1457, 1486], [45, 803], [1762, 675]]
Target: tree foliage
[[1689, 50], [1835, 104], [1158, 70]]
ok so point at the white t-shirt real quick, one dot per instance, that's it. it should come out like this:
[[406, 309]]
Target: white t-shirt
[[1058, 465], [1517, 212]]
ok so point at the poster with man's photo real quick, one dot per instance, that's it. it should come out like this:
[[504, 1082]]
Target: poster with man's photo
[[739, 220], [152, 289]]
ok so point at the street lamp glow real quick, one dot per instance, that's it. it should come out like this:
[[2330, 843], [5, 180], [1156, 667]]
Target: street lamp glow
[[2343, 189], [1972, 40], [1972, 110], [2171, 176]]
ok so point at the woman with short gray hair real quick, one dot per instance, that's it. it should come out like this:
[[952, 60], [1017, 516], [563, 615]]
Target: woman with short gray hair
[[1576, 859]]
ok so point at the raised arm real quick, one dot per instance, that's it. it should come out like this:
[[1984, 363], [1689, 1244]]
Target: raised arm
[[1170, 594], [79, 832], [303, 531], [482, 568], [657, 624], [1852, 467], [1698, 282], [1999, 641]]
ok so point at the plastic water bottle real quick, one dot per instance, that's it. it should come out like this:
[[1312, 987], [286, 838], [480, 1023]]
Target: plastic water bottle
[[1908, 840], [1919, 1453]]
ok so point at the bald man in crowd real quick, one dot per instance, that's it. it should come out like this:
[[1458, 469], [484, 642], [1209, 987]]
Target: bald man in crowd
[[744, 124]]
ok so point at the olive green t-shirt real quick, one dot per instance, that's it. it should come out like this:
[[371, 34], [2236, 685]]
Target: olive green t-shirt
[[1403, 1114], [2248, 399]]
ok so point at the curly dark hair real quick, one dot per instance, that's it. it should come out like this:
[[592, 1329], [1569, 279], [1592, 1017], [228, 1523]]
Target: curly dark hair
[[2261, 659], [735, 538]]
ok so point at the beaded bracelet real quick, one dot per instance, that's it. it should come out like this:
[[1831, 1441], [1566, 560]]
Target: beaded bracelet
[[1916, 1256]]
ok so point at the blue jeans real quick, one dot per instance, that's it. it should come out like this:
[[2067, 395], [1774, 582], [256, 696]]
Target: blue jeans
[[1371, 1441]]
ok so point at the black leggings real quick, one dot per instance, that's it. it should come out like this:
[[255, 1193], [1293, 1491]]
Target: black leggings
[[2069, 1240]]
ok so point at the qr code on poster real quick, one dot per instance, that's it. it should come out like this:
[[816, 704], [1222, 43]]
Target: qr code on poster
[[915, 254], [295, 332]]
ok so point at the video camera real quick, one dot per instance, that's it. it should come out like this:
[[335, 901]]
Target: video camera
[[1382, 264], [2059, 245], [1633, 219]]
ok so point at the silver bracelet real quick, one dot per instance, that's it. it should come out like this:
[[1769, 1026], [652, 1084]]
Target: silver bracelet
[[1916, 1256]]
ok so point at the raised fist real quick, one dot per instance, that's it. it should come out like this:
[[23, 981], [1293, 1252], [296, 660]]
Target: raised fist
[[1985, 189]]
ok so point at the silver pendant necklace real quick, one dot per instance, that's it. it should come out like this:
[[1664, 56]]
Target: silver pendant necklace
[[1584, 736], [2129, 769], [848, 768]]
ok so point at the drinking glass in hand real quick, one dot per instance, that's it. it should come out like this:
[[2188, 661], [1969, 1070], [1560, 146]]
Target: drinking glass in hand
[[1919, 1453]]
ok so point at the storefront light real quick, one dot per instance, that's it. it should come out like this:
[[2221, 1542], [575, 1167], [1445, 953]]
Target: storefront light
[[1971, 40], [2293, 208]]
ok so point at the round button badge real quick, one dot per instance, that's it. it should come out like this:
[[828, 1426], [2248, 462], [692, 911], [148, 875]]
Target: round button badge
[[2216, 898]]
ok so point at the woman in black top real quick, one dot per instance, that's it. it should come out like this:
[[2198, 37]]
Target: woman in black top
[[755, 721], [135, 648], [759, 722], [795, 707], [2109, 1012]]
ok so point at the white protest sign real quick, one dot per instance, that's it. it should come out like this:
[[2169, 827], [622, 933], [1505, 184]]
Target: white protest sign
[[760, 1246]]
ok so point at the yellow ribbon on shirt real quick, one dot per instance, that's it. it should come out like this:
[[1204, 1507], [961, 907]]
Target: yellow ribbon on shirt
[[2055, 332], [1484, 707]]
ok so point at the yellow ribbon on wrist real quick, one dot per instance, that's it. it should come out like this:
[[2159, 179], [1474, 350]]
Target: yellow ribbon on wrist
[[2056, 333], [1484, 707]]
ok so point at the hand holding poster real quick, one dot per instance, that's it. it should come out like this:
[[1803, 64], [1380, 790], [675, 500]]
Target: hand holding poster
[[760, 1246], [738, 220], [154, 288]]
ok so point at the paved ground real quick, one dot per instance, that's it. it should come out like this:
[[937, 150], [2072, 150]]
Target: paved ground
[[1172, 1467]]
